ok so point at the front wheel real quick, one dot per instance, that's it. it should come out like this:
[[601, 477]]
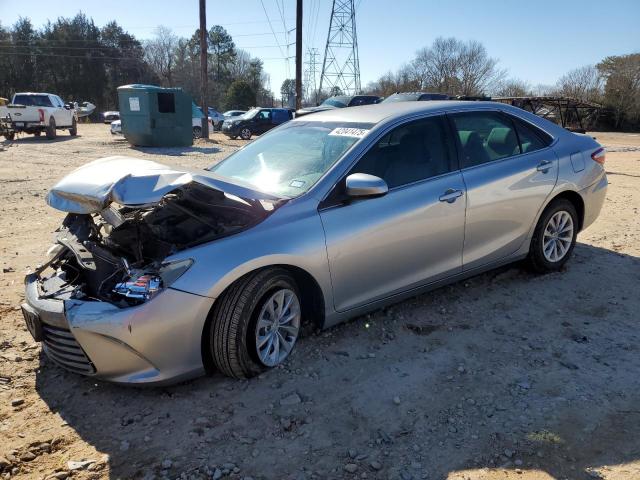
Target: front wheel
[[255, 323], [554, 237], [51, 129], [74, 128], [10, 136], [197, 132], [245, 133]]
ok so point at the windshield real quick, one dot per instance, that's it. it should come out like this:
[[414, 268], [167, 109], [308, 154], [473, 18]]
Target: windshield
[[32, 100], [339, 102], [291, 159], [251, 113]]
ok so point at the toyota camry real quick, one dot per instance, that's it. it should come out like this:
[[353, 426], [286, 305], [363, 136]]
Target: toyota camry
[[158, 274]]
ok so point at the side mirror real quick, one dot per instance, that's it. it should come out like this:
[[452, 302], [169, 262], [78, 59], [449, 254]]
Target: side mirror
[[362, 185], [68, 106]]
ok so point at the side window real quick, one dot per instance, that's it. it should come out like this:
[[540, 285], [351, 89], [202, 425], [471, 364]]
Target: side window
[[264, 115], [531, 138], [485, 137], [280, 116], [415, 151]]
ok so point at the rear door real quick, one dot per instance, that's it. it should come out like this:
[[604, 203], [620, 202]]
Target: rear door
[[414, 234], [508, 173], [263, 121]]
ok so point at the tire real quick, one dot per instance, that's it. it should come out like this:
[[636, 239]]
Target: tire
[[245, 133], [233, 332], [73, 131], [197, 132], [10, 136], [558, 245], [37, 133], [51, 129]]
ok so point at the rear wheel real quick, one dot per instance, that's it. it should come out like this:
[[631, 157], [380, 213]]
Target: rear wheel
[[10, 136], [51, 129], [255, 323], [554, 237], [74, 128], [245, 133], [197, 132]]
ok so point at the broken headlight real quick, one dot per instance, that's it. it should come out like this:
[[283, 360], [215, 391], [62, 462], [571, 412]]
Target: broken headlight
[[141, 285]]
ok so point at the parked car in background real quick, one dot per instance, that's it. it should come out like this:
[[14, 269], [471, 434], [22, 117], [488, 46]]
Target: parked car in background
[[116, 127], [233, 113], [216, 117], [196, 123], [158, 273], [110, 116], [255, 122], [341, 101], [415, 97], [34, 113]]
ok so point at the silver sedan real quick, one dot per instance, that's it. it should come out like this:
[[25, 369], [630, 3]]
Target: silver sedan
[[159, 274]]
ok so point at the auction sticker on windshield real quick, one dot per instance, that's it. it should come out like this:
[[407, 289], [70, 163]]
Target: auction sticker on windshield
[[349, 132]]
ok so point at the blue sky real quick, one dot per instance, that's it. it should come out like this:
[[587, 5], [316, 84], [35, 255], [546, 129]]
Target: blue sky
[[535, 41]]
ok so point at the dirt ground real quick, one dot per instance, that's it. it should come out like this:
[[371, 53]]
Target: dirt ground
[[507, 375]]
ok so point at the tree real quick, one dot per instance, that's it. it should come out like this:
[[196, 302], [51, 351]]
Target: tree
[[288, 91], [514, 88], [622, 88], [583, 84], [240, 96], [457, 68], [222, 49], [160, 54]]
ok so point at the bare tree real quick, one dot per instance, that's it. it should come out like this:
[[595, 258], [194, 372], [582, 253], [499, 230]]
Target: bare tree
[[456, 67], [160, 54], [514, 87], [584, 83]]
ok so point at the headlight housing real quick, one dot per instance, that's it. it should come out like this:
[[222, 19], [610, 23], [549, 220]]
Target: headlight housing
[[143, 284]]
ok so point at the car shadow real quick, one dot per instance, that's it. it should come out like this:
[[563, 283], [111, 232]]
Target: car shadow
[[31, 139], [178, 151], [506, 370]]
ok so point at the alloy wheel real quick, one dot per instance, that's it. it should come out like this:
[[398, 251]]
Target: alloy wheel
[[558, 236], [277, 327]]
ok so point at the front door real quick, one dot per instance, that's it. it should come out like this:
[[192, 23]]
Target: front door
[[508, 172], [412, 235]]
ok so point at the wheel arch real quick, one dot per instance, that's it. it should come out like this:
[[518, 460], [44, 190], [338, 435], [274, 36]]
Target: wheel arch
[[312, 300], [576, 199]]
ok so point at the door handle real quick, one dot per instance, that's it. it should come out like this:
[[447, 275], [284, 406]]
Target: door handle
[[450, 195], [544, 166]]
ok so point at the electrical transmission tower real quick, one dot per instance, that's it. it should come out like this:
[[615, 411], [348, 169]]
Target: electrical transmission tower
[[311, 75], [341, 67]]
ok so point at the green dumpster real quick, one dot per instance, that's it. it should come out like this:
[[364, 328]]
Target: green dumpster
[[153, 116]]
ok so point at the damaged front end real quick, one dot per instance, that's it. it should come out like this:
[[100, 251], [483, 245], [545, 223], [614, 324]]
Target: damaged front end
[[118, 255], [127, 216]]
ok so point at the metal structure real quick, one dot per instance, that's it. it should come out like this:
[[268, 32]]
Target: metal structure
[[571, 113], [341, 66], [311, 75]]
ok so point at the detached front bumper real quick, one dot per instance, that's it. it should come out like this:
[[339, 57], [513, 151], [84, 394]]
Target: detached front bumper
[[154, 343]]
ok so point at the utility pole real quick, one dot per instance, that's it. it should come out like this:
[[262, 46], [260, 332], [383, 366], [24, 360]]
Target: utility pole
[[298, 54], [203, 67]]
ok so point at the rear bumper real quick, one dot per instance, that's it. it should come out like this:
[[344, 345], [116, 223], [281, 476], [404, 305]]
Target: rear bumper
[[158, 342], [593, 198]]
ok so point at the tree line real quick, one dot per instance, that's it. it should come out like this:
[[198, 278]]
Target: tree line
[[79, 61], [455, 67]]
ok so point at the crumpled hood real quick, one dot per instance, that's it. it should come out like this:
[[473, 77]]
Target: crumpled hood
[[133, 182]]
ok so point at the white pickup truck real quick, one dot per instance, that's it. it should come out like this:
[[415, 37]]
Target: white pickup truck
[[35, 113]]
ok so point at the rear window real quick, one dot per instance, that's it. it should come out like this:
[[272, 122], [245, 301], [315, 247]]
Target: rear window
[[531, 137], [32, 100]]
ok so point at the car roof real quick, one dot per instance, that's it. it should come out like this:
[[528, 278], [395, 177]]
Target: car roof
[[381, 111], [387, 112]]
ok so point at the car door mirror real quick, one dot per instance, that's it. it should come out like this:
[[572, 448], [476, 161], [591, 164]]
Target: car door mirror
[[363, 185], [68, 106]]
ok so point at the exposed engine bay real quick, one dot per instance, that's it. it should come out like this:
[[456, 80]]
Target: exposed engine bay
[[118, 255]]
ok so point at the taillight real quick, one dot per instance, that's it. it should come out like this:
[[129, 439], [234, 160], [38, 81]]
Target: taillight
[[599, 155], [41, 113]]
